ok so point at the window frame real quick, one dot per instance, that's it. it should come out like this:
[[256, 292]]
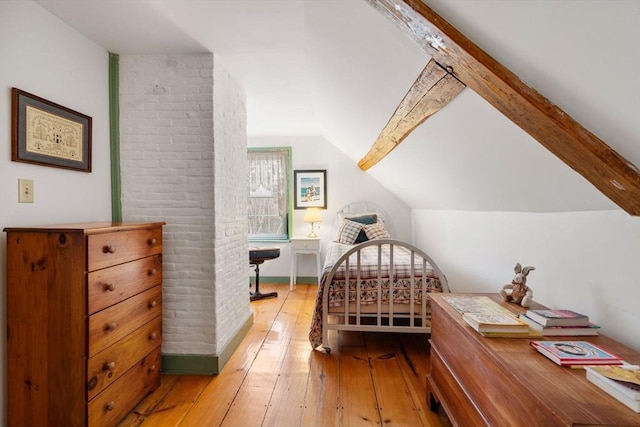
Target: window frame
[[289, 183]]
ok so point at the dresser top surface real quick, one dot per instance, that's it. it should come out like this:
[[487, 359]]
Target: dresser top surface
[[88, 227]]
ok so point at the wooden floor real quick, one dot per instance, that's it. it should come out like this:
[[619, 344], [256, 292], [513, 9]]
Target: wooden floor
[[275, 379]]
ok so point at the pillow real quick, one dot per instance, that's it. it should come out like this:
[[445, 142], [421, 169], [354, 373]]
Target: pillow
[[376, 231], [368, 218], [362, 236], [348, 232]]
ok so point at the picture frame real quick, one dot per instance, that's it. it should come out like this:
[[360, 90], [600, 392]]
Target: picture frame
[[309, 189], [48, 134]]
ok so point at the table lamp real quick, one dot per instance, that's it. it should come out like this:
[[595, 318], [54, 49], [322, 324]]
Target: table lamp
[[312, 215]]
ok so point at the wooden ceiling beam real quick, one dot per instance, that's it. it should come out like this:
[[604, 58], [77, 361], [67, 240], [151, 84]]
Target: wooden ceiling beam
[[432, 90], [608, 171]]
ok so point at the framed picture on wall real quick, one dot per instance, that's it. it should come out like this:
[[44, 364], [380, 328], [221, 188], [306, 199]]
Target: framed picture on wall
[[45, 133], [309, 189]]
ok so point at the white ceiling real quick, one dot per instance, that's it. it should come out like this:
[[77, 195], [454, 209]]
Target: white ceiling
[[338, 68]]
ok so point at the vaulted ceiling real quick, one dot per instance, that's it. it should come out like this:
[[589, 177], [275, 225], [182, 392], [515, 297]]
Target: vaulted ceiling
[[341, 68]]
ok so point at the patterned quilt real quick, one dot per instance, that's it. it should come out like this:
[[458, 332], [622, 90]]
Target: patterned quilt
[[369, 280]]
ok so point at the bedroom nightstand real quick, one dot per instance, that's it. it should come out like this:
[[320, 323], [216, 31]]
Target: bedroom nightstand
[[304, 245]]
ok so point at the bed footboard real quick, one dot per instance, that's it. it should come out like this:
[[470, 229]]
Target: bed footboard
[[387, 292]]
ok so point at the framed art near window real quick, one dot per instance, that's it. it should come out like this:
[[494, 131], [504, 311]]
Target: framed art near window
[[309, 189], [49, 134]]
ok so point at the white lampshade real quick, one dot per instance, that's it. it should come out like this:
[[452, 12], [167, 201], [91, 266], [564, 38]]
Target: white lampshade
[[312, 215]]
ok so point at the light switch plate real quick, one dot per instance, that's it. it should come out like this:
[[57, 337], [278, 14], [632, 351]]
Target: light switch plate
[[25, 190]]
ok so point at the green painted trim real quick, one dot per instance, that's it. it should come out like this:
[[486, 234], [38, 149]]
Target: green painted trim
[[291, 195], [189, 364], [114, 136], [205, 364], [305, 280], [269, 279], [234, 343]]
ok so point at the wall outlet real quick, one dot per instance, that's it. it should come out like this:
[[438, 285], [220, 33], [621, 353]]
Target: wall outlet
[[25, 190]]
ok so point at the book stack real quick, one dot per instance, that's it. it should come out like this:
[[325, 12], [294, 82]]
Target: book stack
[[489, 318], [576, 353], [559, 323], [492, 324], [621, 382]]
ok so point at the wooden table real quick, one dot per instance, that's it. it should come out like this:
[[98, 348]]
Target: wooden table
[[505, 382]]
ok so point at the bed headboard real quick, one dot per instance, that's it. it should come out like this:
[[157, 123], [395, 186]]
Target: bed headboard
[[357, 208]]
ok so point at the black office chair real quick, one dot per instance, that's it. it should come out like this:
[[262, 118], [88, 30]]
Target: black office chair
[[258, 256]]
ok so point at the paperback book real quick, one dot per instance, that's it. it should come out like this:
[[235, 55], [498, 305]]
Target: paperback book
[[589, 330], [531, 334], [621, 382], [489, 318], [558, 317], [475, 304], [495, 322], [572, 353]]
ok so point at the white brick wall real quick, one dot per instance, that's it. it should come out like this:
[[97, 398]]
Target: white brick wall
[[231, 183], [168, 171]]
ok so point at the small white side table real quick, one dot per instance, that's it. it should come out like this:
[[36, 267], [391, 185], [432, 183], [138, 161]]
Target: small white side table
[[304, 245]]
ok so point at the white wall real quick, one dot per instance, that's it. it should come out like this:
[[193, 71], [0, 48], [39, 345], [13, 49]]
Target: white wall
[[231, 298], [166, 150], [346, 183], [585, 261], [185, 166], [43, 56]]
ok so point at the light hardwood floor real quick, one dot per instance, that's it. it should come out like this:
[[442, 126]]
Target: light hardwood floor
[[275, 379]]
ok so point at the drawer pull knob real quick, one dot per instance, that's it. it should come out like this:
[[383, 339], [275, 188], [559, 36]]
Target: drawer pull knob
[[112, 326], [92, 383], [152, 272], [109, 287], [152, 368], [152, 304], [152, 336], [109, 366], [110, 406], [151, 241], [108, 249]]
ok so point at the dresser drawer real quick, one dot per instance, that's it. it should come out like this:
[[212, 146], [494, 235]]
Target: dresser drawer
[[305, 244], [107, 249], [114, 284], [121, 397], [109, 365], [114, 323]]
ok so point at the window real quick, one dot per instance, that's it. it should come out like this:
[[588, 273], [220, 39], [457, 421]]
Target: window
[[269, 201]]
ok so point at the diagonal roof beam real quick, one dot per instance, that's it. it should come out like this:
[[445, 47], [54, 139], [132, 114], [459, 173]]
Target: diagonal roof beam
[[434, 88], [608, 171]]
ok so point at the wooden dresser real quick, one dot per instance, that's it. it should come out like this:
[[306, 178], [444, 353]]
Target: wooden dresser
[[505, 382], [84, 317]]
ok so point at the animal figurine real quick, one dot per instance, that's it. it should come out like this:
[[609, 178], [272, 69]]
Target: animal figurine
[[520, 292]]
